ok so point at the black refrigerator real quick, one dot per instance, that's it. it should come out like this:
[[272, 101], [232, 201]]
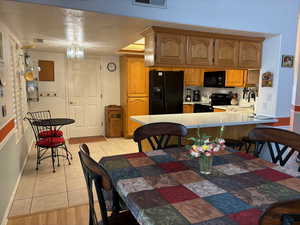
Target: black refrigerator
[[166, 92]]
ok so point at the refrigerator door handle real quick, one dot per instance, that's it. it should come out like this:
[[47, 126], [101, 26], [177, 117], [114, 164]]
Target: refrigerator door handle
[[164, 92]]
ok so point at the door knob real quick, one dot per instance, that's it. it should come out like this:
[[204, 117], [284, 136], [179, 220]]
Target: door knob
[[71, 103]]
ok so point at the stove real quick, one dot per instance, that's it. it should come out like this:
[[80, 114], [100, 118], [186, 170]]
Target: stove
[[220, 99]]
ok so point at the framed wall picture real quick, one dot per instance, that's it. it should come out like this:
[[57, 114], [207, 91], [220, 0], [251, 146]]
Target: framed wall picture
[[287, 61], [47, 70], [1, 48], [267, 79]]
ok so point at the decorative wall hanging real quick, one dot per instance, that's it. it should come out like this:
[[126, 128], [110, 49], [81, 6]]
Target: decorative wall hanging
[[1, 48], [47, 70], [1, 89], [32, 89], [287, 61], [4, 111], [267, 79]]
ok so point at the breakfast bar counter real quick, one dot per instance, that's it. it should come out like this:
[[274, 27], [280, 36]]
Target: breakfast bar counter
[[205, 120], [237, 125]]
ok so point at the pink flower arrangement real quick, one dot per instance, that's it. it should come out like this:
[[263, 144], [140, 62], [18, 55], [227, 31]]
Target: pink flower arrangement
[[206, 147]]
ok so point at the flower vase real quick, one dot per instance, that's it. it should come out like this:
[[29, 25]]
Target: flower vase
[[205, 163]]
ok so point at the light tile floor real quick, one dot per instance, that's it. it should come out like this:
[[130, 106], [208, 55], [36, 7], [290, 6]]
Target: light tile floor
[[43, 190]]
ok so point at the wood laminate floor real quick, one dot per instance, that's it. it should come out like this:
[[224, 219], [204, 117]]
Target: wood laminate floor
[[68, 216]]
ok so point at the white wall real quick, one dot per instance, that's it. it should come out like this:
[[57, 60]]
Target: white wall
[[13, 151], [55, 104], [274, 17], [267, 101], [110, 81], [110, 84]]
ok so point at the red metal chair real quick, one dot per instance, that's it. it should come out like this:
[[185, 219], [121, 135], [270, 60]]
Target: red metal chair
[[43, 144], [45, 132]]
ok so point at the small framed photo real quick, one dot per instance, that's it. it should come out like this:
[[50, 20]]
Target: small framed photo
[[287, 61]]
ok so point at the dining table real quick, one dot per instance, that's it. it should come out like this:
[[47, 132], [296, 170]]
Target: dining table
[[166, 187]]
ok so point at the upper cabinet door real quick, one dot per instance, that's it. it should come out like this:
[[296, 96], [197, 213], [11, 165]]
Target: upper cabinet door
[[171, 49], [226, 52], [193, 77], [199, 51], [137, 77], [235, 78], [250, 54]]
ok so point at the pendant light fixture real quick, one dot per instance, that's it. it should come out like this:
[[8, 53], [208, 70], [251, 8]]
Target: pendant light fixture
[[75, 52]]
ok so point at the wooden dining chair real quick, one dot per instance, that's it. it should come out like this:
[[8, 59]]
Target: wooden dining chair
[[281, 143], [159, 134], [282, 213], [96, 176]]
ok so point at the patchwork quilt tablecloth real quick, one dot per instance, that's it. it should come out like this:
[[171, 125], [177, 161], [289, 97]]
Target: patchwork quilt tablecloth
[[165, 187]]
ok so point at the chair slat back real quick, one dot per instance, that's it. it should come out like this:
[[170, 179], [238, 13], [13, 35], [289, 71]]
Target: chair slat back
[[278, 141], [281, 213], [95, 174], [159, 134], [41, 115], [36, 129]]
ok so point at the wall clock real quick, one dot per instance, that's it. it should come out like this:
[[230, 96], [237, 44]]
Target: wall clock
[[111, 67]]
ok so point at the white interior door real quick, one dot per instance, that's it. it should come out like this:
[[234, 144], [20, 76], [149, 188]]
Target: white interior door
[[84, 103]]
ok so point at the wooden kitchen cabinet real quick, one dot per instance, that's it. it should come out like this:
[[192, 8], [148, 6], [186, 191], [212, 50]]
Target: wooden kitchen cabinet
[[219, 110], [251, 78], [138, 78], [250, 54], [135, 107], [174, 47], [234, 78], [199, 51], [134, 85], [171, 49], [226, 52], [193, 77], [188, 108]]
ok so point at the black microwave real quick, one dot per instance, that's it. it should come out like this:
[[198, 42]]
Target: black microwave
[[214, 79]]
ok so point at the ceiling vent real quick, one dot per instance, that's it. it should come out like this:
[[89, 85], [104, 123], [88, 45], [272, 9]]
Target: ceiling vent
[[38, 40], [151, 3]]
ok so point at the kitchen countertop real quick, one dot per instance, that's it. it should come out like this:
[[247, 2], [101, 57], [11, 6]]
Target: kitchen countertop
[[193, 103], [201, 120], [235, 108]]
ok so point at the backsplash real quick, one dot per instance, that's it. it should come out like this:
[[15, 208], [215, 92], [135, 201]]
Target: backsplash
[[205, 92]]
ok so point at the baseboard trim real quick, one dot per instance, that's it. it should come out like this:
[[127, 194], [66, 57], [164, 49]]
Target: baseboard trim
[[5, 217]]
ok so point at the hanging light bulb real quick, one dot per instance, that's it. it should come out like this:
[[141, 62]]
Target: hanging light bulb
[[71, 52], [75, 52], [79, 53]]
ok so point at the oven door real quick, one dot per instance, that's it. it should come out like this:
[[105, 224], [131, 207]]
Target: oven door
[[214, 79]]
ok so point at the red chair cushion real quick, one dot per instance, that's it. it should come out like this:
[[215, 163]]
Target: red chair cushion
[[50, 133], [51, 142]]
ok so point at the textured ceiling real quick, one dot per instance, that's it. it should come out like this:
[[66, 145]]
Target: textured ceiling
[[60, 28]]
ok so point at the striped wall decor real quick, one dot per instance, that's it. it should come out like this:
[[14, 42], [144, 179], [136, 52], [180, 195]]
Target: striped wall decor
[[296, 108], [5, 130]]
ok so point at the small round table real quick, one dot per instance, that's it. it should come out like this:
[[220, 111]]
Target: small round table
[[56, 123], [53, 122]]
